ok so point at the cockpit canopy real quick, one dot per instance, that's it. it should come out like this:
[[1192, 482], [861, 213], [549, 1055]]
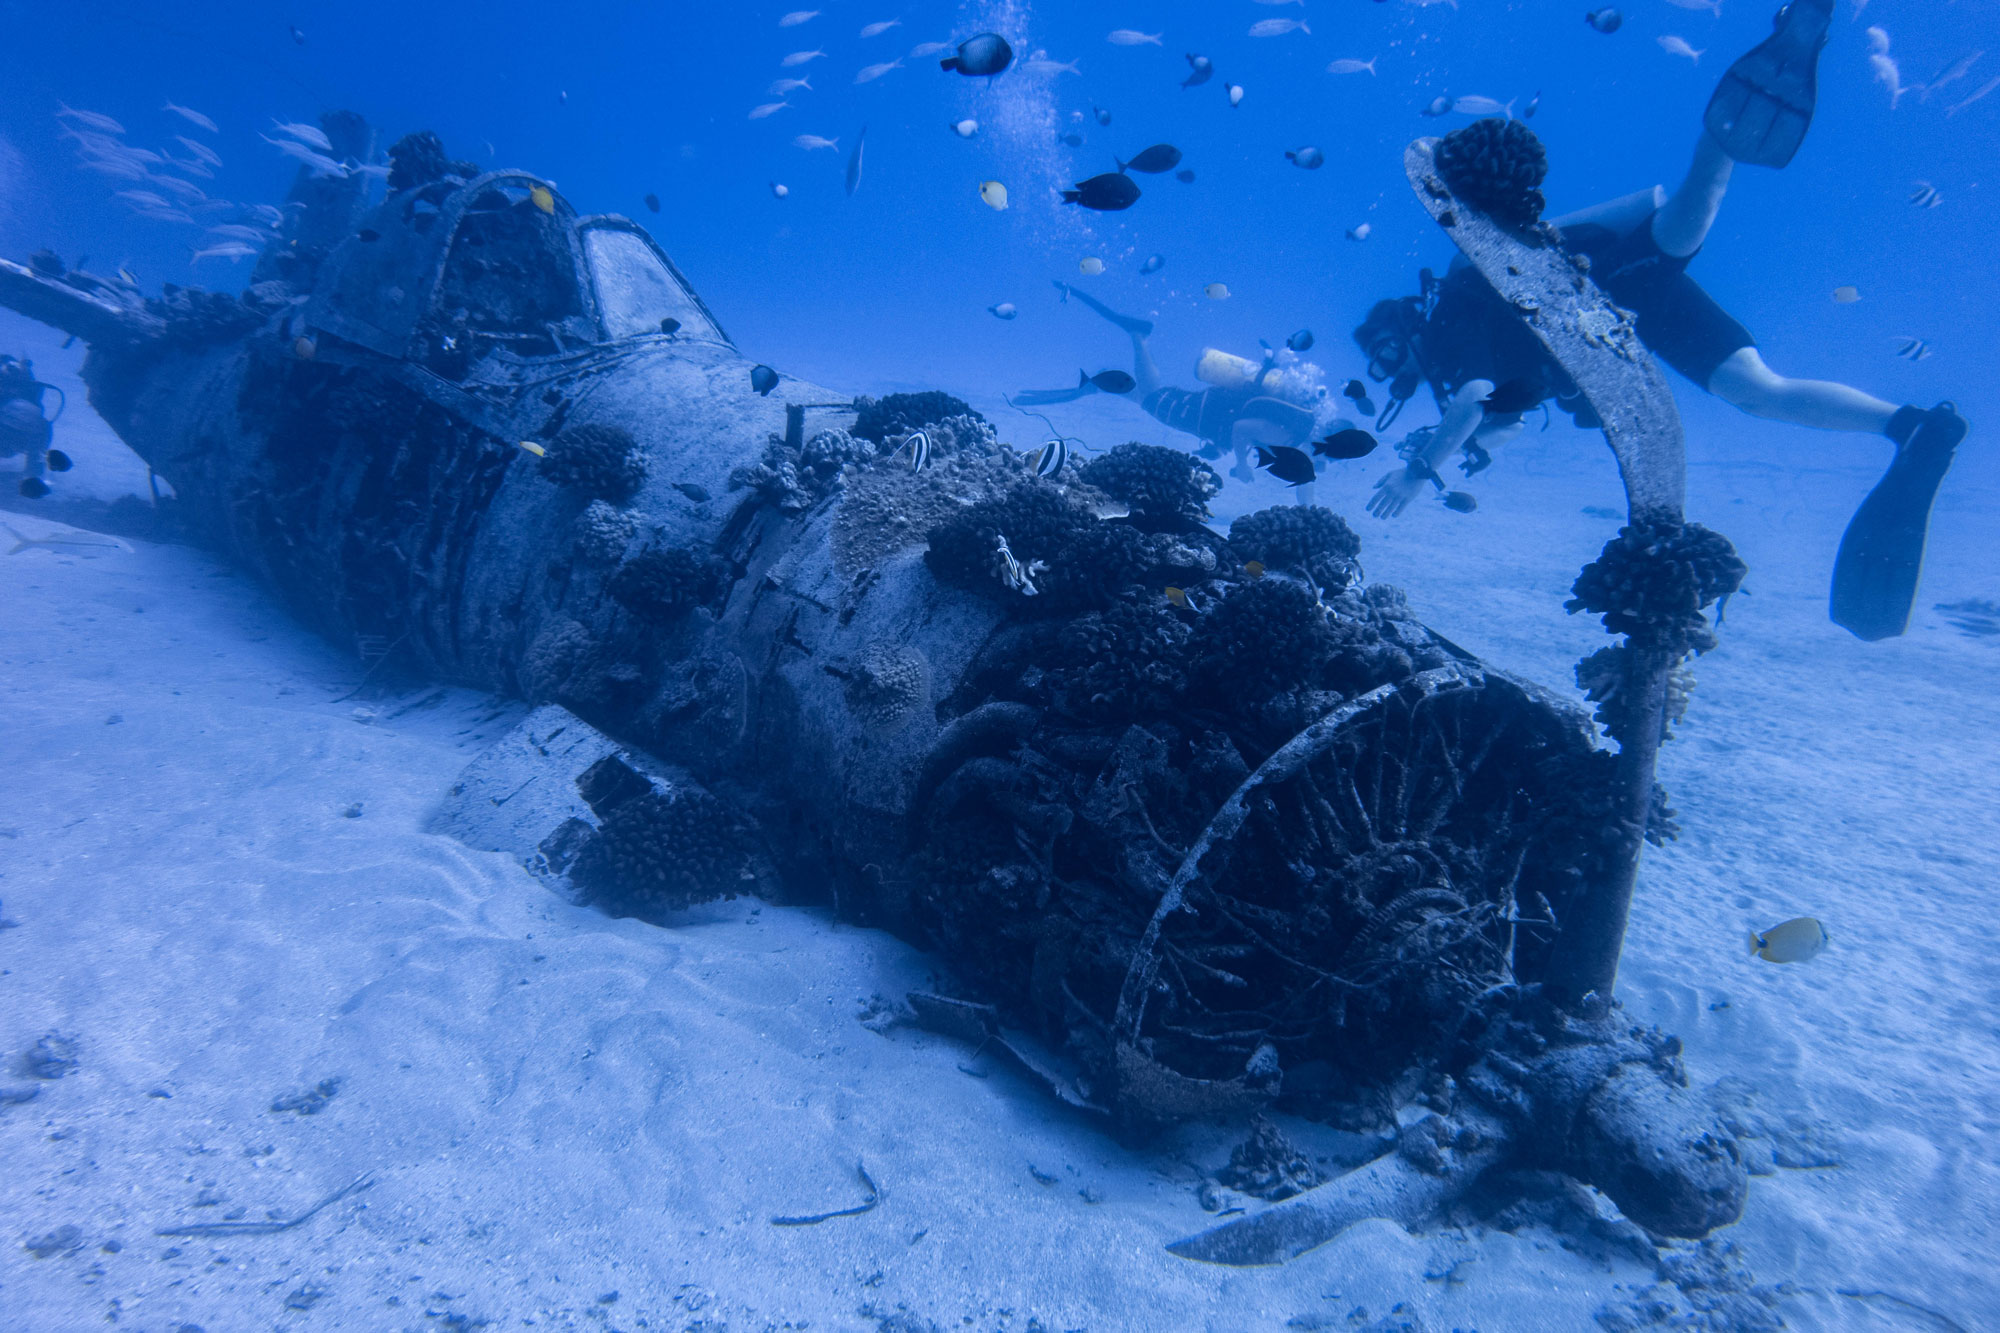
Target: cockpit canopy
[[501, 265]]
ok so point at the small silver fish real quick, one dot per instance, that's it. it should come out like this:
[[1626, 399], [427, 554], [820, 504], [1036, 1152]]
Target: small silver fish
[[96, 120], [798, 16], [1362, 232], [811, 141], [797, 58], [1235, 94], [966, 128], [1041, 64], [922, 49], [200, 150], [1004, 310], [50, 542], [1475, 105], [1350, 66], [230, 250], [768, 109], [871, 73], [192, 117], [1438, 106], [1952, 73], [786, 87], [1278, 27], [1129, 37], [1677, 46], [1984, 89], [305, 134], [1793, 941], [877, 29]]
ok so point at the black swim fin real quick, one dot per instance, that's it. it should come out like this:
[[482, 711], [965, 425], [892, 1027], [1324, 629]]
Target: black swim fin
[[1762, 108], [1882, 554]]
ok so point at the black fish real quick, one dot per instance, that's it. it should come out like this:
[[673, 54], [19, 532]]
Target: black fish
[[1461, 501], [1350, 443], [653, 202], [1185, 175], [1516, 395], [1604, 20], [57, 460], [670, 325], [1071, 139], [1309, 158], [1107, 193], [1110, 381], [1289, 465], [1301, 341], [1103, 116], [986, 54], [34, 488], [1358, 392], [1204, 70], [763, 379], [1160, 157]]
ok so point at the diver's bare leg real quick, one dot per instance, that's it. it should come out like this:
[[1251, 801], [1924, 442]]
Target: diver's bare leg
[[1143, 368], [1683, 221], [1745, 382]]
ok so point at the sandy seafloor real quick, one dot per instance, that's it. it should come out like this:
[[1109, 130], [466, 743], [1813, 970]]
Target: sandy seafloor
[[576, 1122]]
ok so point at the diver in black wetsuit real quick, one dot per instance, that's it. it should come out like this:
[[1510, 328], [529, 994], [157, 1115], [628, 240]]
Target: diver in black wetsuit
[[1248, 409], [1639, 248], [23, 428]]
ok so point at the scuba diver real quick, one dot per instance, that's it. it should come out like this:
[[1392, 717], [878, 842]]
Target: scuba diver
[[1460, 337], [23, 428], [1246, 405]]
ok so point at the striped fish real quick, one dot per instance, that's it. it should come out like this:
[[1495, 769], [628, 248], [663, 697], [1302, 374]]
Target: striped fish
[[1049, 459], [918, 444]]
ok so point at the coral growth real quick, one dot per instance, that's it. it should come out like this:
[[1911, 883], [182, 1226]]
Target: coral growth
[[603, 462], [1264, 637], [1120, 664], [793, 480], [416, 159], [1310, 539], [879, 419], [1165, 488], [664, 851], [1653, 580], [1497, 166], [660, 586], [886, 683], [994, 547], [196, 316], [567, 665], [603, 531], [1267, 1165]]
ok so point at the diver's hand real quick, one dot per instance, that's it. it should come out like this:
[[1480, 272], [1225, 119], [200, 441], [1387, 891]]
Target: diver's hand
[[1395, 491]]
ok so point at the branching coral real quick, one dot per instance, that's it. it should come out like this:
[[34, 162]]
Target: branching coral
[[661, 585], [1653, 580], [877, 419], [1497, 166], [664, 851], [1165, 488], [604, 462], [1308, 538]]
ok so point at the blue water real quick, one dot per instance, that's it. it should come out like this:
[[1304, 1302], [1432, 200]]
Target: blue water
[[890, 287], [1832, 776]]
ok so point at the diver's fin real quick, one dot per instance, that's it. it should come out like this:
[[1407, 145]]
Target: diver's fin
[[1762, 108], [1129, 323], [1882, 554]]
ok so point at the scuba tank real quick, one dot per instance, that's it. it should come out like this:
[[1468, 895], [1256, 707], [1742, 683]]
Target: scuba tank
[[23, 428], [1225, 370]]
